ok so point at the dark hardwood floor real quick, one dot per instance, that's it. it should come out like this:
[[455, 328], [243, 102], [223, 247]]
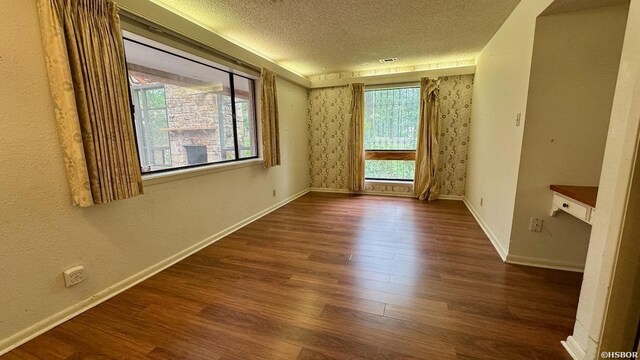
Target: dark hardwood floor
[[333, 276]]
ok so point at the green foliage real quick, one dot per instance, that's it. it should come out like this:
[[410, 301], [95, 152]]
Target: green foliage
[[244, 123], [156, 121], [152, 105], [155, 98], [389, 169]]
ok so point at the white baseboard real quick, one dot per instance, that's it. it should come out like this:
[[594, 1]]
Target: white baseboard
[[517, 259], [573, 348], [544, 263], [328, 190], [450, 197], [44, 325], [381, 193], [494, 240]]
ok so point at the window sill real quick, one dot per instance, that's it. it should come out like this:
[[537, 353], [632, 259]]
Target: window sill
[[165, 177], [389, 182]]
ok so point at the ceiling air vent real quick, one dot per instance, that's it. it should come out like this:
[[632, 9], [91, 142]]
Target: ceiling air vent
[[388, 60]]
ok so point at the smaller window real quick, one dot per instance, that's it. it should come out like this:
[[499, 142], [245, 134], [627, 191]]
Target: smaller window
[[390, 133], [188, 111]]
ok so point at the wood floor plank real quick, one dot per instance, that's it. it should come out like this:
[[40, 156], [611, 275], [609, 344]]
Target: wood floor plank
[[333, 276]]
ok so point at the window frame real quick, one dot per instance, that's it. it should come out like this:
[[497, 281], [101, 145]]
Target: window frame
[[391, 155], [135, 98], [232, 95]]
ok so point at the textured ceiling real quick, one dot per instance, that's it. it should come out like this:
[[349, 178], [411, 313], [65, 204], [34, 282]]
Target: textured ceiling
[[565, 6], [327, 36]]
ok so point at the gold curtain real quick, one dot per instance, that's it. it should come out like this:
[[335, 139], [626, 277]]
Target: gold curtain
[[356, 138], [270, 119], [426, 185], [84, 56]]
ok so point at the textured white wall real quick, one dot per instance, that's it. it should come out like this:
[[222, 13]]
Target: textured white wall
[[41, 234], [574, 70], [499, 94]]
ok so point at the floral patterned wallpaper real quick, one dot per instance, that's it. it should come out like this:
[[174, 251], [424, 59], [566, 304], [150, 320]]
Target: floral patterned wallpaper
[[455, 108], [329, 116], [329, 128], [397, 189]]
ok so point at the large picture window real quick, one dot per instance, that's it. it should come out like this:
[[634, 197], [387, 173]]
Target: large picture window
[[188, 111], [390, 133]]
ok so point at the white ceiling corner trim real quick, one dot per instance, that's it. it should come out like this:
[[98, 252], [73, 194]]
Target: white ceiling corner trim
[[177, 11], [394, 75]]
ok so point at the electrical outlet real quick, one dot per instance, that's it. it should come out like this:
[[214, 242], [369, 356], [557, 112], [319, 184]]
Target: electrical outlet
[[535, 225], [74, 275], [274, 192], [518, 117], [481, 201]]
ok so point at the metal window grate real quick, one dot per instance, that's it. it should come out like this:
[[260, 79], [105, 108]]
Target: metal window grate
[[391, 119], [390, 133]]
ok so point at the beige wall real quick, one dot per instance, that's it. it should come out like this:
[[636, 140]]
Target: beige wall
[[499, 94], [329, 117], [574, 70], [41, 234]]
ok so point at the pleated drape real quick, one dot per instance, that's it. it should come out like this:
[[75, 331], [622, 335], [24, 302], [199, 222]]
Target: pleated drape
[[270, 119], [426, 185], [356, 138], [84, 55]]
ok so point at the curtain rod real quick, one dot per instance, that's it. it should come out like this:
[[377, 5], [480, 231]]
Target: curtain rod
[[157, 28]]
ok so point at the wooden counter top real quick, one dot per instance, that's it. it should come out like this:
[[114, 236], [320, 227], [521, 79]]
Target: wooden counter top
[[584, 194]]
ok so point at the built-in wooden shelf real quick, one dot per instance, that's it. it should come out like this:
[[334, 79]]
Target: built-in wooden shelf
[[579, 201], [584, 194], [390, 155]]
